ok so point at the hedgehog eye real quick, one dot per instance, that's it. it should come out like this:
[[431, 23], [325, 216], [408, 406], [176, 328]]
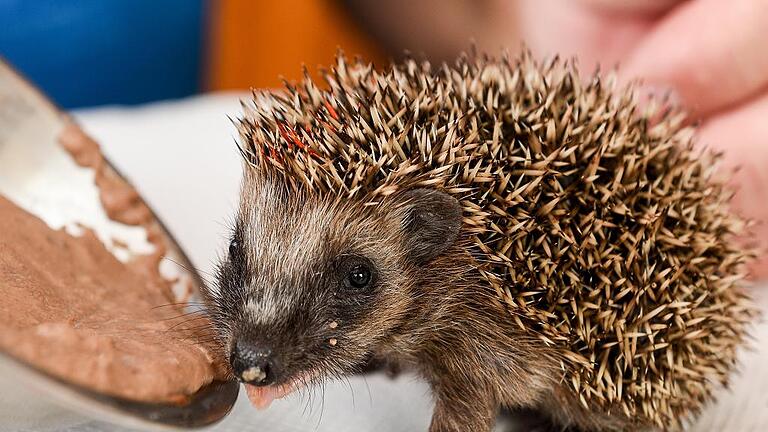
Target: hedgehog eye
[[355, 272], [359, 277], [234, 246]]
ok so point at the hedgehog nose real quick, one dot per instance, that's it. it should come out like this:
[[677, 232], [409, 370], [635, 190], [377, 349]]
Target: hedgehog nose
[[253, 364]]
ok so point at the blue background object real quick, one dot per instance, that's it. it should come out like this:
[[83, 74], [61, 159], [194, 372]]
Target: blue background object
[[93, 52]]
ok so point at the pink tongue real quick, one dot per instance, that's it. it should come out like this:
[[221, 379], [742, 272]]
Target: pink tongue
[[262, 397]]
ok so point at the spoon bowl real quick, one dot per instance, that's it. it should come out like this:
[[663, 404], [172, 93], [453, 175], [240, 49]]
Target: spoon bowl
[[37, 174]]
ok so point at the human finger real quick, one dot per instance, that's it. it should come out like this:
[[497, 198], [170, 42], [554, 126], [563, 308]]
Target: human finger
[[710, 53]]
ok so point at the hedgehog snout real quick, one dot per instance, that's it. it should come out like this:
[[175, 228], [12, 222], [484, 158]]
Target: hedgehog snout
[[254, 363]]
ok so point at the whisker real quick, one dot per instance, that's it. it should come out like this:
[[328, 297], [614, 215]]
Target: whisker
[[368, 388], [308, 398], [351, 391], [197, 334], [186, 314], [190, 320], [192, 269], [177, 304], [201, 336], [322, 404]]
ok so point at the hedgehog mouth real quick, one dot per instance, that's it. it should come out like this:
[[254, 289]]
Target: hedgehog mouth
[[262, 397]]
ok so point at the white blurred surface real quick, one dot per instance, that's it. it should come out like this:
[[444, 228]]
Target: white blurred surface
[[181, 157]]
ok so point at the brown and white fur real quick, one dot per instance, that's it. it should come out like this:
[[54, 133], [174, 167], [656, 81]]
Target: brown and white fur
[[427, 307]]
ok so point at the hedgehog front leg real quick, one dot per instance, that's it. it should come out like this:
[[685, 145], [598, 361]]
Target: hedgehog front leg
[[460, 407]]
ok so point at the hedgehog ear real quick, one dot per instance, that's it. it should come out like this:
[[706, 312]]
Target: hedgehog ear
[[431, 223]]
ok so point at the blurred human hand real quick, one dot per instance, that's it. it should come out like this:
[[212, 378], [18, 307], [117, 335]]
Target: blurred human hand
[[709, 55]]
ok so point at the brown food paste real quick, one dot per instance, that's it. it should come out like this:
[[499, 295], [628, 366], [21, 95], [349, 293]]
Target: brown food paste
[[71, 309]]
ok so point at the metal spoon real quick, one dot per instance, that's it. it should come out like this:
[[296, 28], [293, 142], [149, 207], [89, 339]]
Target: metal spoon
[[38, 175]]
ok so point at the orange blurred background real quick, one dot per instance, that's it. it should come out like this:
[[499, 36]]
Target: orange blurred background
[[263, 41]]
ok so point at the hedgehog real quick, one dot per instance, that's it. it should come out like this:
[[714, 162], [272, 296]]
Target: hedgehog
[[520, 237]]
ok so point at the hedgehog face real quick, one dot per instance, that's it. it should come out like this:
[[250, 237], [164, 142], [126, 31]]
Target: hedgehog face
[[312, 287]]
